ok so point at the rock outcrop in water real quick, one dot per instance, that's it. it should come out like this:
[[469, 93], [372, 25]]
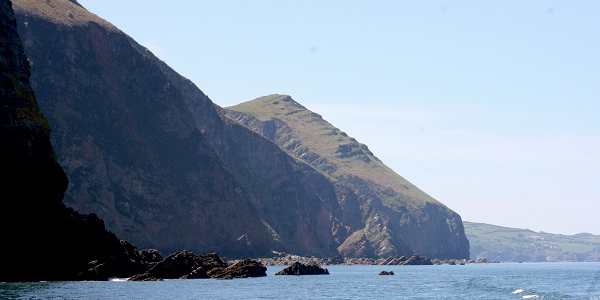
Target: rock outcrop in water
[[149, 153], [40, 238], [187, 265], [386, 273], [299, 268], [183, 265], [139, 261], [242, 269], [417, 260]]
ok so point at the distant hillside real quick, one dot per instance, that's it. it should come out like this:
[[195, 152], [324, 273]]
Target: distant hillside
[[511, 244], [385, 213]]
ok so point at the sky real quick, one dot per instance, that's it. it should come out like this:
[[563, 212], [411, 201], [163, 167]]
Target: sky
[[491, 107]]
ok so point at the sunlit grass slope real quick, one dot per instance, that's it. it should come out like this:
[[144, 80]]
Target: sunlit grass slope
[[307, 136]]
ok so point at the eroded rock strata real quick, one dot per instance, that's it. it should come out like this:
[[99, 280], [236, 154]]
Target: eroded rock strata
[[182, 265], [187, 265], [241, 269]]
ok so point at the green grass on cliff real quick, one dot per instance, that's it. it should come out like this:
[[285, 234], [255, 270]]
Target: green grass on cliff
[[310, 130], [511, 244]]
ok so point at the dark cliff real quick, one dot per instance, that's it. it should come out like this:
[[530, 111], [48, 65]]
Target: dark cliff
[[41, 238], [150, 153]]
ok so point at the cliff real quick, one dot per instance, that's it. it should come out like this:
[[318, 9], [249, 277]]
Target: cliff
[[149, 152], [41, 238], [394, 218]]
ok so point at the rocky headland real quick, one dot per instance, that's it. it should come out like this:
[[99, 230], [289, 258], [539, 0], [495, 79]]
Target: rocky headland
[[151, 155]]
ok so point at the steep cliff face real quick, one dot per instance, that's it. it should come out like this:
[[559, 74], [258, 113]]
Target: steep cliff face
[[26, 152], [151, 154], [297, 202], [148, 152], [126, 139], [396, 217], [41, 238]]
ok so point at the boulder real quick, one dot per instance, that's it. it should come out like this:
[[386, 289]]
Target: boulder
[[242, 269], [303, 269]]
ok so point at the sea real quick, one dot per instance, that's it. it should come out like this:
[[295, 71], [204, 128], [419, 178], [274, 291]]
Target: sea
[[471, 281]]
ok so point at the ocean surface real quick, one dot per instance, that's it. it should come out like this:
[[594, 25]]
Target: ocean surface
[[472, 281]]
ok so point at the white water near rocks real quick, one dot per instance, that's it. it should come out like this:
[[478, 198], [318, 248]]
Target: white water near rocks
[[472, 281]]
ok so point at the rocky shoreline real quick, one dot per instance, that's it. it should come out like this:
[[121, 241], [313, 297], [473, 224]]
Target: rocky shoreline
[[283, 259], [187, 265]]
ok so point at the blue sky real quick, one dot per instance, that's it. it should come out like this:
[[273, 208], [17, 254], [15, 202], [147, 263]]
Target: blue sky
[[491, 107]]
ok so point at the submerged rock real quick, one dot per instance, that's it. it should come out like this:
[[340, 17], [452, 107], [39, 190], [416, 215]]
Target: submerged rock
[[303, 269]]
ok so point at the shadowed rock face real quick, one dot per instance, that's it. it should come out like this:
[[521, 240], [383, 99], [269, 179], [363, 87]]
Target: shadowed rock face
[[41, 238], [30, 173]]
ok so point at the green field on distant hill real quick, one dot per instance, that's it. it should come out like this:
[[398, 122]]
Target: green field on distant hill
[[511, 244]]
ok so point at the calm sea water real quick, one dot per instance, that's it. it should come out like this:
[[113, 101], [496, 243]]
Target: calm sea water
[[473, 281]]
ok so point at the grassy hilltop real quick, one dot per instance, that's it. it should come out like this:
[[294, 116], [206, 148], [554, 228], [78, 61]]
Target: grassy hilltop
[[383, 210], [312, 139]]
